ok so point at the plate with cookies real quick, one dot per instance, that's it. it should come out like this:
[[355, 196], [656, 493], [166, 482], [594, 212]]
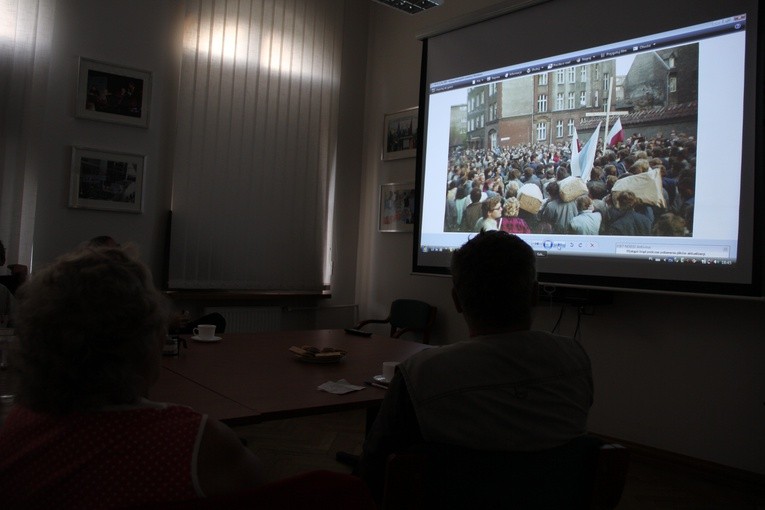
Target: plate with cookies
[[318, 355]]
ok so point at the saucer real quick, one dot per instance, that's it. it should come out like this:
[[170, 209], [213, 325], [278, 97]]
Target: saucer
[[200, 339]]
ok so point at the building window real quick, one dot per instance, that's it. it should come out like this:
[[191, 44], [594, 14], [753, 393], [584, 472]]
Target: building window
[[571, 75], [541, 131], [492, 89], [492, 112], [673, 83], [597, 98], [559, 101], [542, 79], [570, 101], [483, 120], [561, 77], [542, 103], [605, 81], [583, 98], [672, 61], [583, 76], [493, 139], [570, 127], [596, 72], [559, 129]]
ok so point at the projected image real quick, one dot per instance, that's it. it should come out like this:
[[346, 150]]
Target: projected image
[[606, 148]]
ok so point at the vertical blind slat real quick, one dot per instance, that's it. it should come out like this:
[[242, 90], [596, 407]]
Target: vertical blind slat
[[256, 116]]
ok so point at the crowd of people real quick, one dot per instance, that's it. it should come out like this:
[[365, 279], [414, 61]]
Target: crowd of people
[[522, 189]]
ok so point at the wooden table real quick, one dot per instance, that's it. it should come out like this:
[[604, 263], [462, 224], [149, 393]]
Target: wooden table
[[252, 377]]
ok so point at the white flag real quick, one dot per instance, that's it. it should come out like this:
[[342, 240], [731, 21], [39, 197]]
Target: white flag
[[581, 161]]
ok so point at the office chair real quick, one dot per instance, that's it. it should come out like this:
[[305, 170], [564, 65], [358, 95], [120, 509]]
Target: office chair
[[407, 316], [582, 474]]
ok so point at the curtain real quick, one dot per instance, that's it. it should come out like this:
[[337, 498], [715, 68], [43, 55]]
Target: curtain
[[255, 145], [25, 45]]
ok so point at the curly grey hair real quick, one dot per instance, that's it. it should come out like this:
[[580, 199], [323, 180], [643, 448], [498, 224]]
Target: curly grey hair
[[90, 329]]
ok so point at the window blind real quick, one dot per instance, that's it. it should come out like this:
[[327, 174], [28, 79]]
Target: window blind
[[255, 145], [25, 45]]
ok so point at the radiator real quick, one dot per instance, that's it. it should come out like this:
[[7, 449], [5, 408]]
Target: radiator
[[249, 319], [253, 319]]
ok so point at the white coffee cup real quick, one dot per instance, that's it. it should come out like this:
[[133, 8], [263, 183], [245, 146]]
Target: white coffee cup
[[389, 368], [205, 331]]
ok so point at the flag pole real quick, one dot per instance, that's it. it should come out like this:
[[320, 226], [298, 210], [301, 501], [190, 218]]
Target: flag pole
[[608, 111]]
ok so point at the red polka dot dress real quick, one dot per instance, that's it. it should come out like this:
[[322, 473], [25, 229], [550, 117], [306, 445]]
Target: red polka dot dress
[[105, 459]]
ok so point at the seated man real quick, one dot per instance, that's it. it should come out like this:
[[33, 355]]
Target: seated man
[[506, 388]]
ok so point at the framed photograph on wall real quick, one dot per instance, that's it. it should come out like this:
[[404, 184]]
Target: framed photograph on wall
[[113, 94], [400, 134], [397, 207], [107, 181]]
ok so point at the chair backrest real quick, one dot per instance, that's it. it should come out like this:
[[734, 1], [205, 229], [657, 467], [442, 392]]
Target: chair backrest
[[411, 315], [583, 473]]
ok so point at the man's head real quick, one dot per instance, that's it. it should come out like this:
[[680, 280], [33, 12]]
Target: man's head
[[495, 285], [491, 207]]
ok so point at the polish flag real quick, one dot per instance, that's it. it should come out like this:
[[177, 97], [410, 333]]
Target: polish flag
[[617, 132]]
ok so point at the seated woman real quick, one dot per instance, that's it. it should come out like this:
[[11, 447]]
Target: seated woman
[[90, 330]]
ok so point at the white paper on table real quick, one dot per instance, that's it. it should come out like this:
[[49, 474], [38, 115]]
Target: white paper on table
[[339, 387]]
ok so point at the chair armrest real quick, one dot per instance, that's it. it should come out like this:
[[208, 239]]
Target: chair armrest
[[370, 321]]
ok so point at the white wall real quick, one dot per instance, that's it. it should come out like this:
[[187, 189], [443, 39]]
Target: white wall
[[147, 34], [144, 34], [681, 374]]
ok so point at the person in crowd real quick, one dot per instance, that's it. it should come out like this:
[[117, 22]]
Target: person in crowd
[[473, 212], [510, 222], [555, 211], [686, 197], [625, 221], [82, 434], [511, 190], [669, 224], [450, 213], [492, 212], [587, 221], [505, 388], [529, 177], [597, 192]]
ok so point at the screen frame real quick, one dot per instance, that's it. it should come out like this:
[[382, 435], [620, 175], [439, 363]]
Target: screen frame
[[753, 288]]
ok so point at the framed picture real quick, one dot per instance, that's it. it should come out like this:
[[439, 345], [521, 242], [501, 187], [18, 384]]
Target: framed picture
[[397, 207], [108, 181], [113, 94], [400, 134]]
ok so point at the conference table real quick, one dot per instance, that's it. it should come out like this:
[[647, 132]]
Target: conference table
[[248, 378]]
